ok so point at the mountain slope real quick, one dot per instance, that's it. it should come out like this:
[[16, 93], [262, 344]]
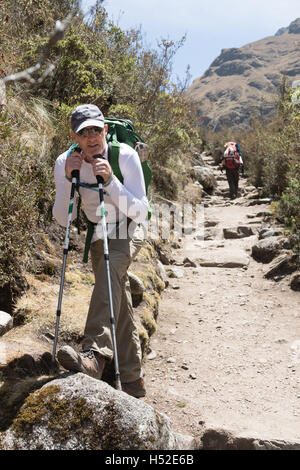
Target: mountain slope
[[242, 81]]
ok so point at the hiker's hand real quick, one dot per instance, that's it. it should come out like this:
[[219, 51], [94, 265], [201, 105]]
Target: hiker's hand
[[102, 168], [73, 162]]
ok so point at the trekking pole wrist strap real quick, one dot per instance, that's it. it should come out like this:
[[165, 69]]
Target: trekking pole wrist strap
[[109, 179]]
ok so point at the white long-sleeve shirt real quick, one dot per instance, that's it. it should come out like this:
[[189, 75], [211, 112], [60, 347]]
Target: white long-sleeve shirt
[[121, 200]]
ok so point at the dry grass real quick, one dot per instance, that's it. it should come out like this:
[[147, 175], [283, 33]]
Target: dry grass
[[40, 305], [35, 128]]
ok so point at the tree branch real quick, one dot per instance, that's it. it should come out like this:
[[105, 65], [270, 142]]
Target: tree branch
[[27, 75]]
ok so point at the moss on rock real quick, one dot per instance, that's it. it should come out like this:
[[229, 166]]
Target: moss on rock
[[61, 414]]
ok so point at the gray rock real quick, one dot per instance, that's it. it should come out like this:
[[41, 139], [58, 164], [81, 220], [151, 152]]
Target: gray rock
[[268, 232], [259, 202], [210, 223], [189, 263], [175, 272], [295, 281], [294, 27], [6, 322], [136, 285], [160, 269], [209, 234], [165, 256], [285, 263], [205, 176], [221, 439], [199, 159], [264, 214], [224, 259], [267, 249], [77, 412], [238, 232], [249, 189]]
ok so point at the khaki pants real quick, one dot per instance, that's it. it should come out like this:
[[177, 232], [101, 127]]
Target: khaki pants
[[97, 334]]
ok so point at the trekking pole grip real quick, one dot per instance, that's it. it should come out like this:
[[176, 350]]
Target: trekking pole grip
[[75, 174], [99, 178]]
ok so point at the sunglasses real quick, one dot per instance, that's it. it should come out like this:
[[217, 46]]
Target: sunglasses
[[87, 130]]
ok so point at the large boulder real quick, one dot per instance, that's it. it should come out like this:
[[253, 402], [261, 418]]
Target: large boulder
[[77, 412], [205, 176]]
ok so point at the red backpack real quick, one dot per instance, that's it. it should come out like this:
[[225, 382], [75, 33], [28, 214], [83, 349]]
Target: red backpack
[[231, 156]]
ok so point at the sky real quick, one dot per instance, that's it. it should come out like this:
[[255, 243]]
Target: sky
[[209, 25]]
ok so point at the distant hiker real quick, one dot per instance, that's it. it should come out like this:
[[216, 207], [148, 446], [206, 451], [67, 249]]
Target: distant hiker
[[232, 162], [125, 203]]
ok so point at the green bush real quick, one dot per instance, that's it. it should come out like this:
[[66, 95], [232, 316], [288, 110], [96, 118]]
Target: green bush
[[289, 206], [271, 148]]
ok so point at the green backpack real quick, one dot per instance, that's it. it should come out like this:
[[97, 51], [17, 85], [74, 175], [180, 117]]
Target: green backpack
[[122, 131]]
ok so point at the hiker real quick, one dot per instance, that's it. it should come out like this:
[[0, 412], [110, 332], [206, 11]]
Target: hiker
[[124, 204], [233, 164]]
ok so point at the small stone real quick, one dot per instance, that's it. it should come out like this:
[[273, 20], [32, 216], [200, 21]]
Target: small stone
[[151, 355], [6, 322], [171, 360], [187, 262], [175, 272]]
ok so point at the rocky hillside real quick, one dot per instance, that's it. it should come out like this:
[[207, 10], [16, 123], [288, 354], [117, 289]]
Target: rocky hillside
[[242, 81]]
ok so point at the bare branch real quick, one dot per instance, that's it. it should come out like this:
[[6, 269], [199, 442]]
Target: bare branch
[[57, 35], [27, 75]]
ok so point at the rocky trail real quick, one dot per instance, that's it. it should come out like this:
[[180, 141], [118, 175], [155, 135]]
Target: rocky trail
[[223, 364], [226, 353]]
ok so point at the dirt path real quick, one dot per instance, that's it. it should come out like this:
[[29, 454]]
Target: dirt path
[[225, 350]]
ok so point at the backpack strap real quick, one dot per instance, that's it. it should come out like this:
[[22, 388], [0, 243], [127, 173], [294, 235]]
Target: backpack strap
[[113, 159], [88, 239]]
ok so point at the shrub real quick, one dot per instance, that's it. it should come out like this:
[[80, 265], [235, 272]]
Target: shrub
[[271, 148], [26, 181], [289, 207]]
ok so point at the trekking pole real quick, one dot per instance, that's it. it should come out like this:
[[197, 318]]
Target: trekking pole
[[75, 181], [100, 182]]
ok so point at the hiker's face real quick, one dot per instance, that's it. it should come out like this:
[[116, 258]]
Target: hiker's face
[[93, 142]]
